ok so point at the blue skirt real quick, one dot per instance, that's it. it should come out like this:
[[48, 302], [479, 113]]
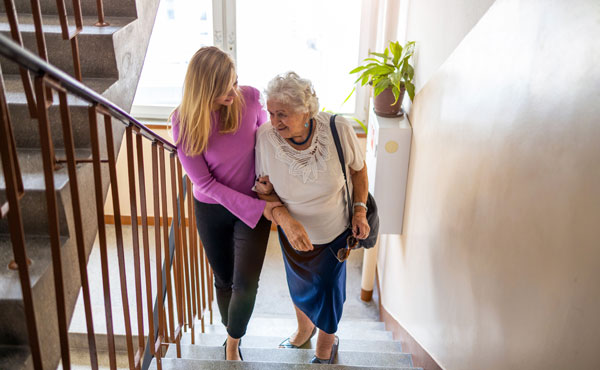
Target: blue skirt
[[317, 280]]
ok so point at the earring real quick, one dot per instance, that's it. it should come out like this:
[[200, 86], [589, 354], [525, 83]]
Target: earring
[[306, 124]]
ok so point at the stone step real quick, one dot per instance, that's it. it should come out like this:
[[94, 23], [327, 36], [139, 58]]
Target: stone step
[[96, 44], [294, 356], [263, 341], [112, 8], [15, 358], [187, 364], [33, 203], [344, 331], [290, 323], [25, 129], [12, 317]]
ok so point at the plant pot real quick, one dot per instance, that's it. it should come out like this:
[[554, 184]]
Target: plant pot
[[383, 103]]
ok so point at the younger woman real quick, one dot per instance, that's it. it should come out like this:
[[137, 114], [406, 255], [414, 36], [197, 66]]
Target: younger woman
[[214, 128]]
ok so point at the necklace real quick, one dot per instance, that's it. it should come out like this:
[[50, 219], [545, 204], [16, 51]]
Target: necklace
[[308, 137]]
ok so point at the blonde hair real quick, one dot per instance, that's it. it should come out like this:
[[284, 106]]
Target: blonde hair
[[290, 89], [209, 75]]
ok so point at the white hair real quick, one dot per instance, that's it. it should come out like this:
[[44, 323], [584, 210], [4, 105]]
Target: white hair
[[290, 89]]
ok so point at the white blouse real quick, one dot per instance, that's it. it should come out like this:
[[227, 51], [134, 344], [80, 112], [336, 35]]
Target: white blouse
[[310, 182]]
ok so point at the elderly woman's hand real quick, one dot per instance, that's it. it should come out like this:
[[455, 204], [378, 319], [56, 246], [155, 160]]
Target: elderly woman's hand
[[295, 232], [360, 226], [263, 186]]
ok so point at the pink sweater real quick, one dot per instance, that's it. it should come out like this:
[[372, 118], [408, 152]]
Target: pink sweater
[[224, 173]]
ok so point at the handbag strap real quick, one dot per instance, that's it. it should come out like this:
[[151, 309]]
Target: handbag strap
[[338, 147]]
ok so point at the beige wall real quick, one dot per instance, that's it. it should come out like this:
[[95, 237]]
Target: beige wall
[[499, 263], [437, 26]]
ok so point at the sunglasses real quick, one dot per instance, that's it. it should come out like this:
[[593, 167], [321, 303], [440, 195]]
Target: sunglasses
[[344, 253]]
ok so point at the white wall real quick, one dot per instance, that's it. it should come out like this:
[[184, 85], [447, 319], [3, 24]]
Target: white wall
[[499, 263]]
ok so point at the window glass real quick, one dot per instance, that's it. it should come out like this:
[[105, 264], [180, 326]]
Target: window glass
[[181, 28], [317, 39]]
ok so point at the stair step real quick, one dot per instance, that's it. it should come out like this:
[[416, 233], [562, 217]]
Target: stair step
[[344, 331], [187, 364], [297, 356], [291, 323], [25, 129], [15, 357], [111, 8], [33, 204], [253, 341], [96, 46], [12, 317]]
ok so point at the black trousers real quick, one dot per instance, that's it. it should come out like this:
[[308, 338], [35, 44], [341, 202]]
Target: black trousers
[[236, 254]]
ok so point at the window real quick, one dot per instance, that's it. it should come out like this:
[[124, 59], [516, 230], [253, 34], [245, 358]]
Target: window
[[181, 28], [317, 39]]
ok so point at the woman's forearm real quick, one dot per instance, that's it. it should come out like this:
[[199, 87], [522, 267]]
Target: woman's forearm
[[360, 183]]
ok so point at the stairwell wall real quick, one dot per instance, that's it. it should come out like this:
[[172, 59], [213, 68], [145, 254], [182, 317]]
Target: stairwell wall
[[499, 261]]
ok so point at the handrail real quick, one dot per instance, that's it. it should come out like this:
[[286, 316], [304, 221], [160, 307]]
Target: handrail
[[180, 252], [27, 59]]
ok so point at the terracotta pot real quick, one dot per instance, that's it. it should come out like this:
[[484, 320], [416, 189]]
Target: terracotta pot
[[383, 103]]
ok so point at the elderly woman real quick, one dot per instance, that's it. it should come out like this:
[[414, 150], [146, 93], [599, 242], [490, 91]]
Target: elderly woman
[[297, 163]]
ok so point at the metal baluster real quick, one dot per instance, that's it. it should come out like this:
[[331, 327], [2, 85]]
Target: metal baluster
[[48, 160], [69, 143], [102, 235]]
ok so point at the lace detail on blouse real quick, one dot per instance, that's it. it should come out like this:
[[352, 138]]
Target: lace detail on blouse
[[305, 163]]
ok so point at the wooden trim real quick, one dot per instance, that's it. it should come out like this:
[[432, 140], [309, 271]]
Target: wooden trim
[[126, 220], [158, 126], [420, 356]]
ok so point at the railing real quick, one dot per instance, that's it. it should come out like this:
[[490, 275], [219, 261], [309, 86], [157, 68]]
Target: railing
[[183, 290]]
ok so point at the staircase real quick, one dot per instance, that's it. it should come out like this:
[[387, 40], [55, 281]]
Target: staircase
[[111, 60], [363, 345], [364, 342]]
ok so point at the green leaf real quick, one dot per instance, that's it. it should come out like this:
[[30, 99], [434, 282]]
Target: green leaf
[[358, 69], [396, 52], [396, 92], [410, 89], [409, 49], [380, 55], [361, 124], [408, 72], [384, 82], [378, 90], [381, 70], [365, 79], [349, 95]]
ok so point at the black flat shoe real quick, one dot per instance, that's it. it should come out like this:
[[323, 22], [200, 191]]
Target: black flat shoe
[[239, 349], [287, 344], [334, 350]]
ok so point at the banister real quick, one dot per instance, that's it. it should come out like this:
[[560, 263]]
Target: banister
[[32, 62]]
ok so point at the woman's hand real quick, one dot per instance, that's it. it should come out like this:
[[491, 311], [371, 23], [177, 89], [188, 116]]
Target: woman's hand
[[360, 225], [268, 211], [294, 231], [263, 185]]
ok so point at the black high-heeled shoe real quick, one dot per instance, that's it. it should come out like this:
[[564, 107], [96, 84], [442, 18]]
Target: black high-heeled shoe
[[239, 349]]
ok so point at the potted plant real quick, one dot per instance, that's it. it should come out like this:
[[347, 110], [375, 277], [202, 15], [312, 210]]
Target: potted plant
[[390, 74]]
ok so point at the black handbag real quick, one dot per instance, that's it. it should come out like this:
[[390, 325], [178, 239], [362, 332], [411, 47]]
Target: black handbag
[[372, 216]]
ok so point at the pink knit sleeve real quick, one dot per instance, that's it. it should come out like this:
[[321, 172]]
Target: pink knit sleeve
[[246, 208]]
